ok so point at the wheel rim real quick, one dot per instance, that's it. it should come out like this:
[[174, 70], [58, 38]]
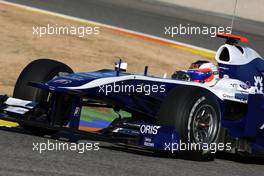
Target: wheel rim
[[204, 124]]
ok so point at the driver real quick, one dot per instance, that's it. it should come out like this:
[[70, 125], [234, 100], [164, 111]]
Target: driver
[[200, 71]]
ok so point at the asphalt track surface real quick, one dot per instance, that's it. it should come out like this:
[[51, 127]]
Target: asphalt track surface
[[18, 158], [151, 18]]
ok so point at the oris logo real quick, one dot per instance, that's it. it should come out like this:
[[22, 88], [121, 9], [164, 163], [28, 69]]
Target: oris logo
[[149, 129]]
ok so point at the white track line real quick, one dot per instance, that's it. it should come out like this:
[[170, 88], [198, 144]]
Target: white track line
[[106, 26]]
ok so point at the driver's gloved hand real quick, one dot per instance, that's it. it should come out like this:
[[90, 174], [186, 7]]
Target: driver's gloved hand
[[181, 75]]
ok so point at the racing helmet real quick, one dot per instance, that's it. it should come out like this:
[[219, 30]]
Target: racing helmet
[[203, 72]]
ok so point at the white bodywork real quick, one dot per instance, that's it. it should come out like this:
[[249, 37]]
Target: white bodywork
[[18, 106], [224, 88], [236, 57]]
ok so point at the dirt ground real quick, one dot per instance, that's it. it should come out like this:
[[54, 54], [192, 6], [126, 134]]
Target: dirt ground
[[19, 46]]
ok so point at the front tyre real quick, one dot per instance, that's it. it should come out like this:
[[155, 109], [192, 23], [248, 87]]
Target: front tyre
[[42, 70], [195, 113]]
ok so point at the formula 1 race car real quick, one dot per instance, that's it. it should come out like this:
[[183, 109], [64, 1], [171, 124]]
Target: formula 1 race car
[[181, 114]]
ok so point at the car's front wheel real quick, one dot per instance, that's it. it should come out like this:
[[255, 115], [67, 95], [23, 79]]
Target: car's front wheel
[[195, 114], [42, 70]]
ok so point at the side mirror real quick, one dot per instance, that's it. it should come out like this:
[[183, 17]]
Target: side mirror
[[122, 67]]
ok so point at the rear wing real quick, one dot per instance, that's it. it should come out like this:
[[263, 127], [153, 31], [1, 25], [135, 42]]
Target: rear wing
[[232, 39]]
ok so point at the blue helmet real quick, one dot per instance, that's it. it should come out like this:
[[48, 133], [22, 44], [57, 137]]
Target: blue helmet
[[203, 72]]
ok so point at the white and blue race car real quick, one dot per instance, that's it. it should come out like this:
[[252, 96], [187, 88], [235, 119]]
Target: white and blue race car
[[195, 113]]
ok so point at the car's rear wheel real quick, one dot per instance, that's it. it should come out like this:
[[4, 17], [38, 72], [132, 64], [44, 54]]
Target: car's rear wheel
[[195, 113], [42, 70]]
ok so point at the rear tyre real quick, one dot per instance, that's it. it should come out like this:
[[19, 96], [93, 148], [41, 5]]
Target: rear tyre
[[195, 113], [42, 70]]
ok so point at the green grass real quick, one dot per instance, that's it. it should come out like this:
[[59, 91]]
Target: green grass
[[91, 114]]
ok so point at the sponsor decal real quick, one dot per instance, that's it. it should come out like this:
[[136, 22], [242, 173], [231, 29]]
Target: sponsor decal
[[77, 112], [258, 84], [244, 86], [228, 96], [224, 68], [234, 85], [242, 97], [62, 81], [262, 127], [74, 77], [149, 129], [148, 142]]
